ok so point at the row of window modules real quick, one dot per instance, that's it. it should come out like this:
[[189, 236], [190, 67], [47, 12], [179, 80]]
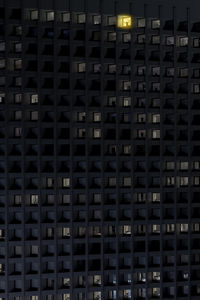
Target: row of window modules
[[94, 101], [49, 16]]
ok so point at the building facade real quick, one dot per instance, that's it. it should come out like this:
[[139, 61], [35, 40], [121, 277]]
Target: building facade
[[99, 150]]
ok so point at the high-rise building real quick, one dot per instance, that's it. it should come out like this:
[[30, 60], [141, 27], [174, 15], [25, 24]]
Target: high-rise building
[[99, 150]]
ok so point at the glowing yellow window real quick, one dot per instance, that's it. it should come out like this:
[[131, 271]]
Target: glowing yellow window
[[124, 21]]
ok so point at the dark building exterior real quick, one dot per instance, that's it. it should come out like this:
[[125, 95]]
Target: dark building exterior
[[99, 150]]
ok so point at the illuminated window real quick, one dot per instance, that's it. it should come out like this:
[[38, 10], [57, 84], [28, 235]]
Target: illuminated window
[[34, 98], [156, 276], [96, 19], [183, 227], [65, 17], [65, 231], [97, 117], [124, 21], [97, 280], [81, 67], [34, 15], [155, 24], [155, 118], [155, 134], [126, 101], [66, 182], [156, 228], [50, 16], [97, 133], [81, 18], [34, 200]]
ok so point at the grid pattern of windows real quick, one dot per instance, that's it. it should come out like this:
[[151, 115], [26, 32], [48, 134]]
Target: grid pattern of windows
[[99, 157]]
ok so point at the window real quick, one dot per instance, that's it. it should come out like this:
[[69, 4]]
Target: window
[[18, 81], [170, 72], [196, 88], [196, 42], [155, 24], [17, 132], [156, 228], [50, 16], [141, 38], [17, 199], [65, 199], [126, 37], [2, 234], [111, 36], [34, 200], [112, 69], [81, 116], [196, 165], [126, 101], [34, 98], [183, 228], [66, 182], [81, 67], [65, 232], [126, 149], [183, 72], [18, 115], [97, 133], [66, 297], [141, 23], [156, 197], [2, 46], [97, 117], [141, 70], [126, 85], [184, 181], [156, 276], [18, 98], [184, 165], [156, 292], [170, 165], [155, 134], [65, 17], [18, 30], [18, 47], [2, 81], [126, 229], [170, 180], [156, 71], [34, 115], [97, 68], [155, 39], [49, 182], [81, 18], [155, 118], [196, 180], [183, 41], [111, 20], [141, 118], [34, 15], [97, 280], [127, 181], [170, 40], [170, 228], [96, 19], [124, 21], [2, 64]]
